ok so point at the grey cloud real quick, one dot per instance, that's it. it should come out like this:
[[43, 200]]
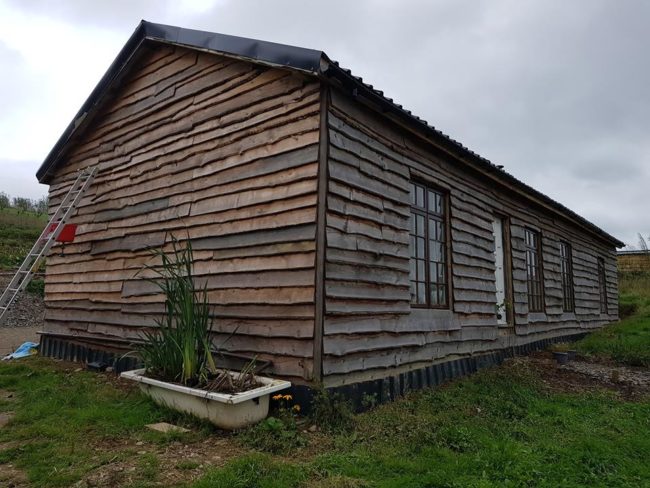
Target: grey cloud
[[17, 179], [16, 82], [555, 91], [112, 13]]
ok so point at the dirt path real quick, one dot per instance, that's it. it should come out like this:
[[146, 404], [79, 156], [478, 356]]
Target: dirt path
[[23, 321], [583, 375], [12, 337]]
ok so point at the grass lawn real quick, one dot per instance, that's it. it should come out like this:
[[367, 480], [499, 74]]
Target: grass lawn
[[65, 420], [18, 232], [502, 427]]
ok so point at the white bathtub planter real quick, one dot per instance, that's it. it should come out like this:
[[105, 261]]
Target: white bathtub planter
[[225, 410]]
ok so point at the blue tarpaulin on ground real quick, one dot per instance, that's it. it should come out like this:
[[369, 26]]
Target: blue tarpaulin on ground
[[26, 349]]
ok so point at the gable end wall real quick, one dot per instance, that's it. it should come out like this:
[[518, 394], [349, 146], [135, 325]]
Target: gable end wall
[[220, 150]]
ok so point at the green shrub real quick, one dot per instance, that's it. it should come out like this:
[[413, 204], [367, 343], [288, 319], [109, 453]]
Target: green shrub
[[279, 434], [331, 411], [627, 309], [36, 287]]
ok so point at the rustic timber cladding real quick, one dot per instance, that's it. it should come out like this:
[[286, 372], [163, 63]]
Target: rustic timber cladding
[[218, 150], [295, 183]]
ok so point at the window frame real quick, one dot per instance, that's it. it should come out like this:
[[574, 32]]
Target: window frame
[[602, 286], [566, 277], [444, 217], [537, 249]]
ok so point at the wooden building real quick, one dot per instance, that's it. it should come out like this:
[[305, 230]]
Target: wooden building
[[340, 236]]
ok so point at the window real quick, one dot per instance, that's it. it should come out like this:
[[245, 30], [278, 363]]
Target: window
[[428, 247], [566, 272], [602, 285], [534, 271]]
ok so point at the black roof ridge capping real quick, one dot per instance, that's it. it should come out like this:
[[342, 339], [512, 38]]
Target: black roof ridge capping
[[308, 61]]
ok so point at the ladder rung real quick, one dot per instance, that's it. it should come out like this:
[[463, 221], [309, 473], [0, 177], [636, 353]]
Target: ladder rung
[[13, 289]]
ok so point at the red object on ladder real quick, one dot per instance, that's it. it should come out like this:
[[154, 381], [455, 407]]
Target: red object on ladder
[[67, 234]]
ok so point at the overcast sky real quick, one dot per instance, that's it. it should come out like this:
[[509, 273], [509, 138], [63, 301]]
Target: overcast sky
[[557, 91]]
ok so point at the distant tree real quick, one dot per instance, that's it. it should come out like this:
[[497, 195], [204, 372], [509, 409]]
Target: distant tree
[[5, 201], [23, 204], [42, 204]]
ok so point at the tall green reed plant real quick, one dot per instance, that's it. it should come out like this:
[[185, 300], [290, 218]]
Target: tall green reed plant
[[180, 349]]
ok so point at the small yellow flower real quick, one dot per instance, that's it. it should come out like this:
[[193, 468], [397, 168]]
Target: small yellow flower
[[288, 397], [296, 408], [277, 397]]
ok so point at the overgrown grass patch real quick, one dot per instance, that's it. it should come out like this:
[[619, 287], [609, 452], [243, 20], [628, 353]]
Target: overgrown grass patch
[[18, 233], [628, 341], [255, 471], [501, 427]]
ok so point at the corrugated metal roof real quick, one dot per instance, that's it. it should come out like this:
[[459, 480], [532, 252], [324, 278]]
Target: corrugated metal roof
[[309, 61]]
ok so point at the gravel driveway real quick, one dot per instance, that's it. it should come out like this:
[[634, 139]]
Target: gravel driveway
[[24, 319]]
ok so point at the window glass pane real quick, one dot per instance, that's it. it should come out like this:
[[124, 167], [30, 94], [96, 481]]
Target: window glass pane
[[435, 251], [432, 250], [431, 201], [438, 203], [413, 291], [420, 248], [434, 295], [432, 229], [420, 270], [442, 295], [441, 273], [412, 194], [412, 273], [419, 228], [440, 232], [433, 272], [422, 293], [419, 196]]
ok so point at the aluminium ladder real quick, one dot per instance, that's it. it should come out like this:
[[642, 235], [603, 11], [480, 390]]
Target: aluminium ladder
[[47, 238]]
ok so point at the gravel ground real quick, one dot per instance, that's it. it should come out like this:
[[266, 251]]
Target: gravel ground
[[23, 321], [621, 375], [595, 374]]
